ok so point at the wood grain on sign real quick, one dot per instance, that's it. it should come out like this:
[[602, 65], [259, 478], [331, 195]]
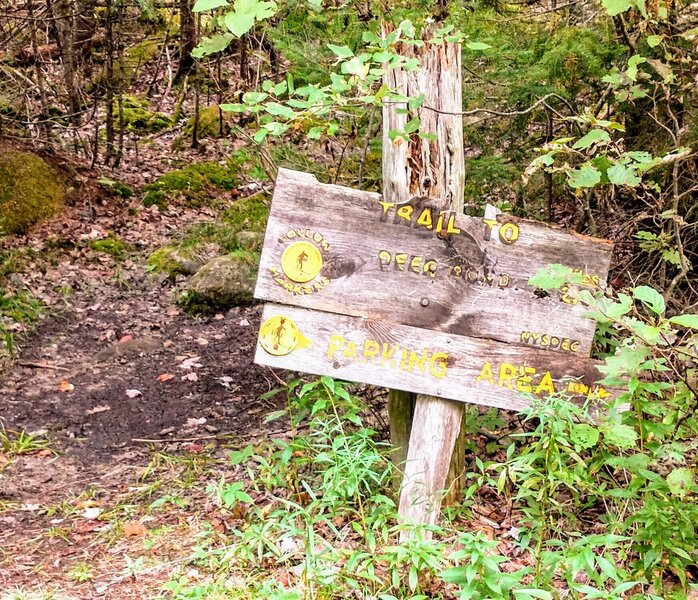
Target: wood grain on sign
[[415, 265], [427, 362]]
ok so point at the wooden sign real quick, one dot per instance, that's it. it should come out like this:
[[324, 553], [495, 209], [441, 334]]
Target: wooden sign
[[423, 361], [419, 299], [348, 252]]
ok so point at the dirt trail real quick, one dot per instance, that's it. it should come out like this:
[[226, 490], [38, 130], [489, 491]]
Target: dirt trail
[[117, 363]]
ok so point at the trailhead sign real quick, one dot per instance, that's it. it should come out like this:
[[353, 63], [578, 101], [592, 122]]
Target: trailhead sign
[[415, 298]]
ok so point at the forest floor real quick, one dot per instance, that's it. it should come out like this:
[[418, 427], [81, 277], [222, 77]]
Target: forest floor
[[135, 401]]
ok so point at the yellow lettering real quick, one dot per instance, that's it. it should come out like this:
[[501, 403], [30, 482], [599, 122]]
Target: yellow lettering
[[425, 219], [400, 260], [574, 346], [336, 343], [438, 365], [430, 268], [350, 351], [507, 375], [509, 233], [485, 374], [546, 384], [490, 224], [291, 235], [416, 360], [385, 257], [405, 212], [524, 382], [371, 350], [451, 227], [503, 280], [440, 222], [386, 205], [403, 359], [386, 355], [317, 238], [416, 264]]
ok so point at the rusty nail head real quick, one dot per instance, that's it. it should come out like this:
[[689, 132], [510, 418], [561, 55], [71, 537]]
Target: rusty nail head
[[425, 302]]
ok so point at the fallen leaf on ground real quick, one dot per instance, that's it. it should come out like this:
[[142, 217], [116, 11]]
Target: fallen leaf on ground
[[190, 377], [194, 423], [243, 323], [194, 448], [134, 529], [98, 409], [165, 377], [126, 338], [133, 393], [65, 386], [191, 363], [91, 513]]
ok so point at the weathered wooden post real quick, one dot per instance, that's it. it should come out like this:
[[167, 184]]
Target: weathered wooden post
[[434, 169]]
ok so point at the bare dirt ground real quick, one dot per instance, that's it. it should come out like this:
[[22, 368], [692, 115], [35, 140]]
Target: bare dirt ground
[[134, 397]]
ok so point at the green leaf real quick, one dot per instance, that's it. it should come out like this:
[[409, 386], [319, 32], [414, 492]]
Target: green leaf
[[532, 593], [341, 51], [650, 297], [615, 7], [680, 481], [584, 436], [654, 40], [412, 125], [595, 136], [585, 177], [239, 23], [633, 63], [253, 97], [553, 277], [279, 110], [477, 46], [315, 133], [211, 45], [620, 174], [202, 5], [690, 321], [621, 436]]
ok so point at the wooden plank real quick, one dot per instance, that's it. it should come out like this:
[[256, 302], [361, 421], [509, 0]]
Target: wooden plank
[[427, 362], [435, 270]]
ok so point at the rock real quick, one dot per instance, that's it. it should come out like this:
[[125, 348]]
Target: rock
[[223, 282], [136, 347], [30, 190], [250, 240]]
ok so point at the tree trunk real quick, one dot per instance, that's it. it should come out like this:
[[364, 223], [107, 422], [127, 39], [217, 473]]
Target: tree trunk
[[433, 168], [63, 13], [187, 41]]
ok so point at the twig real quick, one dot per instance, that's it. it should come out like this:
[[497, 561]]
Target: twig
[[191, 439], [40, 365]]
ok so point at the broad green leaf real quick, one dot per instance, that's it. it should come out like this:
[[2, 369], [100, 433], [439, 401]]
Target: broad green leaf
[[615, 7], [585, 177], [211, 45], [235, 108], [654, 40], [680, 481], [621, 436], [383, 56], [554, 276], [595, 136], [477, 46], [315, 133], [239, 23], [620, 174], [532, 593], [407, 28], [279, 110], [202, 5], [260, 9], [412, 125], [633, 63], [584, 436], [650, 297], [253, 97], [690, 321], [355, 67], [341, 51]]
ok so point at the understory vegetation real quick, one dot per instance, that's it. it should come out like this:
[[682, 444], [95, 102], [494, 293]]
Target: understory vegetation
[[579, 114]]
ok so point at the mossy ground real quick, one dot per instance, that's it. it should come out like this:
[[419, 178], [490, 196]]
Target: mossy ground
[[138, 118], [30, 190], [113, 246], [211, 124], [195, 184]]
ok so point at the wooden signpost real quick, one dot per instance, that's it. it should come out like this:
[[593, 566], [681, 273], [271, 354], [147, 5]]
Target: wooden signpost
[[423, 300]]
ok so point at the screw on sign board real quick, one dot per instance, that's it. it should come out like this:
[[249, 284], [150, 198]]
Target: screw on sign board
[[412, 298]]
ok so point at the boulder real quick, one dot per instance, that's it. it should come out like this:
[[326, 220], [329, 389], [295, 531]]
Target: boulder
[[223, 282], [31, 190]]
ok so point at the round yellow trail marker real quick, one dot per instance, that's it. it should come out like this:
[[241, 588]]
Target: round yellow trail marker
[[301, 262], [279, 335]]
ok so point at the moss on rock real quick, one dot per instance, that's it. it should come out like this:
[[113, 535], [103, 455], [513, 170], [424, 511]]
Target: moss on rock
[[112, 246], [30, 190], [138, 118], [247, 214], [208, 126], [193, 184]]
